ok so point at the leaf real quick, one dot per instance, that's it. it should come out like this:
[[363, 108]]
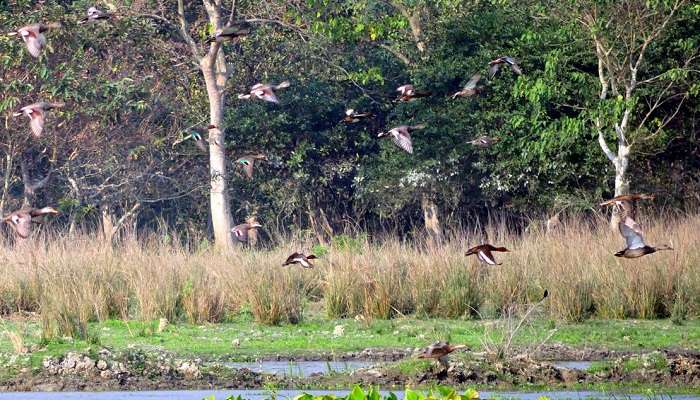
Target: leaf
[[357, 393]]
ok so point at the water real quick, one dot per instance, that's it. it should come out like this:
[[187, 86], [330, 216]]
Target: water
[[288, 394], [301, 368], [578, 365]]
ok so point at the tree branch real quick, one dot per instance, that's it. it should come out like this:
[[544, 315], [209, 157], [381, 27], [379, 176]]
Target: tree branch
[[603, 144], [184, 29]]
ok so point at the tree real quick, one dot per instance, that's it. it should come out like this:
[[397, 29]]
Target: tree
[[637, 100]]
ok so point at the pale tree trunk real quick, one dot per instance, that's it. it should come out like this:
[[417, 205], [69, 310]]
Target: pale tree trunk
[[215, 74], [431, 221]]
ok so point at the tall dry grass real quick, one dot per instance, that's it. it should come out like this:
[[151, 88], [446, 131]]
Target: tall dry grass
[[71, 281]]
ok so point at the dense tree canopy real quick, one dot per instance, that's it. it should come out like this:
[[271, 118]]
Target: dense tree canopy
[[132, 91]]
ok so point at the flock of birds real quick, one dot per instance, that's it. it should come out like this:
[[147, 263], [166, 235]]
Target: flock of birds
[[22, 220], [33, 36]]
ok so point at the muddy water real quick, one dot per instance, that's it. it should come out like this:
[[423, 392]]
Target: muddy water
[[301, 368], [288, 394]]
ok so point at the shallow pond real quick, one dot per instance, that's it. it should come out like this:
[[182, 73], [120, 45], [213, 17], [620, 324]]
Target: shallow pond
[[570, 364], [288, 394], [301, 368]]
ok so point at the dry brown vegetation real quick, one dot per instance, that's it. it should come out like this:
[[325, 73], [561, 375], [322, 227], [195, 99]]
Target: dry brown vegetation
[[74, 280]]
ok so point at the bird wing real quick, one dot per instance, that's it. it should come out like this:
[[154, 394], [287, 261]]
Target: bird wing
[[628, 209], [472, 82], [21, 223], [486, 256], [241, 232], [282, 85], [632, 232], [34, 44], [493, 70], [36, 122], [403, 140], [201, 144], [267, 95], [516, 68]]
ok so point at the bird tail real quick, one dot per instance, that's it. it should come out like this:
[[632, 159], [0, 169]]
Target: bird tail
[[500, 249], [423, 94], [282, 85]]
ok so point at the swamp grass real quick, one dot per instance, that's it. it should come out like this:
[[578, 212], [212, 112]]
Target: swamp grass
[[72, 281]]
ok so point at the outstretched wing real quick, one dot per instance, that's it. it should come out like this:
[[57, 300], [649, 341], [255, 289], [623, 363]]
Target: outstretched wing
[[486, 256], [240, 232], [516, 68], [36, 122], [403, 141], [34, 44], [472, 82], [493, 70], [21, 223], [247, 166], [632, 232]]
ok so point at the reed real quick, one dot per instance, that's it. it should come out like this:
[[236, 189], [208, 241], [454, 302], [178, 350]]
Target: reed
[[71, 281]]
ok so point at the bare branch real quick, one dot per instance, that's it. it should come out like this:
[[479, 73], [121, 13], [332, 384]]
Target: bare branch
[[184, 29], [232, 13], [396, 53], [603, 144]]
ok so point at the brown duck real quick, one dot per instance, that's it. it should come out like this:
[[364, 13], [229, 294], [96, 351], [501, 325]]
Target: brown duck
[[232, 32], [409, 93], [484, 141], [495, 66], [471, 88], [300, 258], [352, 116], [630, 230], [37, 114], [484, 253], [33, 36], [401, 136], [197, 135], [240, 232], [264, 91], [21, 220], [440, 351], [247, 163]]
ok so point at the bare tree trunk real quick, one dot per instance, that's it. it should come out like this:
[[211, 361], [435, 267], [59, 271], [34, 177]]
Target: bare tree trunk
[[431, 221], [107, 223], [622, 182]]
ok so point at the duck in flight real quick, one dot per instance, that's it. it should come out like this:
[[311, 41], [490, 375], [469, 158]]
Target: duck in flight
[[352, 116], [21, 220], [484, 141], [401, 136], [232, 32], [37, 114], [484, 253], [197, 135], [264, 91], [471, 88], [630, 230], [33, 36], [440, 351], [301, 259], [495, 66], [247, 163], [240, 232], [94, 14], [409, 93]]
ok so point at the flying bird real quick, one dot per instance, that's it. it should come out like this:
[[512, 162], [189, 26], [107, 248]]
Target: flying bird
[[470, 88], [630, 230], [352, 116], [409, 93], [300, 258], [484, 141], [247, 163], [440, 351], [95, 14], [21, 220], [33, 36], [484, 253], [240, 232], [401, 136], [495, 66], [37, 114], [234, 31], [197, 135], [264, 92]]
